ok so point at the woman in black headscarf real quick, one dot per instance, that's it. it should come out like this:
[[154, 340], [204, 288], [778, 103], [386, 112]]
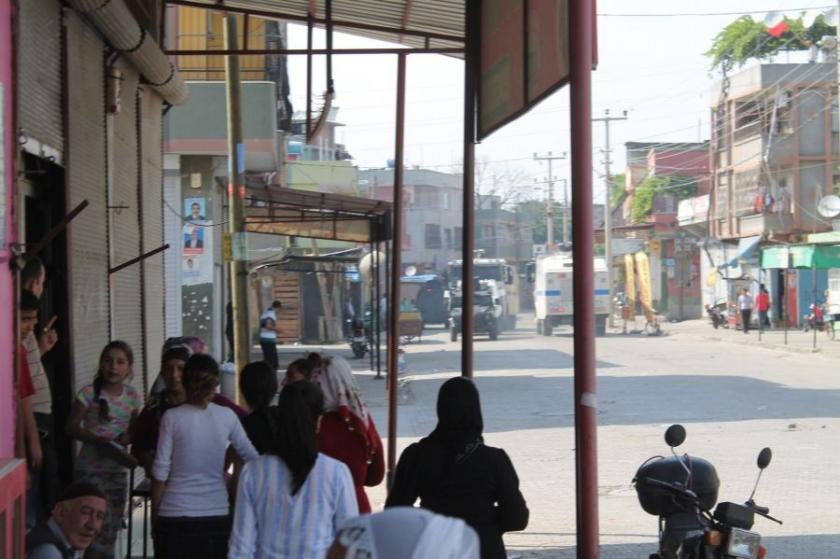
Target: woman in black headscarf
[[453, 473]]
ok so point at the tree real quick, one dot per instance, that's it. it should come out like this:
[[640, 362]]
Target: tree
[[643, 197], [745, 39], [617, 190]]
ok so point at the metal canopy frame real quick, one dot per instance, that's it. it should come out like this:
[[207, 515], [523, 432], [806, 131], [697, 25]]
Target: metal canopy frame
[[316, 215], [453, 27]]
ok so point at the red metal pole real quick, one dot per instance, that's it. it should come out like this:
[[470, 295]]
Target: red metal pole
[[581, 23], [468, 236], [396, 266]]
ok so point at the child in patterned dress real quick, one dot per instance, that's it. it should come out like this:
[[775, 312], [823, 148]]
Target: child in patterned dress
[[102, 418]]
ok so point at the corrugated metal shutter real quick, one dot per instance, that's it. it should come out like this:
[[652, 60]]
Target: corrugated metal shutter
[[39, 73], [86, 179], [126, 285], [152, 196]]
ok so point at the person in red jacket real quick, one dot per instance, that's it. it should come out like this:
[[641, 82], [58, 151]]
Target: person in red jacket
[[762, 305], [347, 430]]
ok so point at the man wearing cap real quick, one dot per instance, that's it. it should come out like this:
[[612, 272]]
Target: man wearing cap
[[75, 522]]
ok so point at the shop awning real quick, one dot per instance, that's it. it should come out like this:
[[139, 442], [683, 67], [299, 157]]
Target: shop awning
[[747, 247], [801, 256], [316, 215]]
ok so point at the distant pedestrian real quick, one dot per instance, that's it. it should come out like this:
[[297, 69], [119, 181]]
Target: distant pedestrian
[[453, 473], [102, 418], [76, 520], [190, 507], [745, 305], [405, 532], [292, 500], [268, 334], [347, 430], [762, 306]]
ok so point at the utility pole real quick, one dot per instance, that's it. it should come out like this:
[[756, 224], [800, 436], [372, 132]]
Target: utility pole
[[549, 204], [236, 196], [606, 119]]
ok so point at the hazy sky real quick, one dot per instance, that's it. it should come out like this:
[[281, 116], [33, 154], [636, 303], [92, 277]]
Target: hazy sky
[[653, 67]]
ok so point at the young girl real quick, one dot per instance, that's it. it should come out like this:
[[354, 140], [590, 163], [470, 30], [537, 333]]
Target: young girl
[[103, 418]]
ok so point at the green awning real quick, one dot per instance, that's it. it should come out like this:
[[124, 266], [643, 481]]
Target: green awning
[[801, 256]]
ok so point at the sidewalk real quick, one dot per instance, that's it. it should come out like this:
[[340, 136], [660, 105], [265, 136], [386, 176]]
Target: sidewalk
[[797, 340]]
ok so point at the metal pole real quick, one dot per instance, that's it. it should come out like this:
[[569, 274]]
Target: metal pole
[[608, 256], [760, 321], [379, 301], [549, 209], [784, 303], [549, 204], [581, 27], [814, 298], [471, 26], [236, 196], [565, 211], [396, 265], [370, 335]]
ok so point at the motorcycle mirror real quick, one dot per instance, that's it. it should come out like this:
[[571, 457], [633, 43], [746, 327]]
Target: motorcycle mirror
[[764, 457], [675, 435]]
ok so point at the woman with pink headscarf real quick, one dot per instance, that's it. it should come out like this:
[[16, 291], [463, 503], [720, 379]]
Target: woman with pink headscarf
[[347, 431]]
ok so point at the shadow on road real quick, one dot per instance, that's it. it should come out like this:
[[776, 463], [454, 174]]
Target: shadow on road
[[519, 359], [518, 402], [781, 547]]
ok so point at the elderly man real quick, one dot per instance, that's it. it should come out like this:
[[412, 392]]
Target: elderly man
[[75, 522]]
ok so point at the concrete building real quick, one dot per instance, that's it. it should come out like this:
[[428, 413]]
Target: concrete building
[[774, 149], [658, 176], [433, 233]]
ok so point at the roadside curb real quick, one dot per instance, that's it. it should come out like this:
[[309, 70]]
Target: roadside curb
[[757, 344]]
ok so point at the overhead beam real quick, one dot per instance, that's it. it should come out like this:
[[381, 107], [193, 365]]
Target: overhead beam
[[234, 52], [318, 21]]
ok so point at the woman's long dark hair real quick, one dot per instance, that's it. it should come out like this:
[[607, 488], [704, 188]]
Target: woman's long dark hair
[[99, 379], [295, 439]]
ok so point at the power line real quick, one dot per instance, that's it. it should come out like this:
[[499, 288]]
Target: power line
[[704, 14]]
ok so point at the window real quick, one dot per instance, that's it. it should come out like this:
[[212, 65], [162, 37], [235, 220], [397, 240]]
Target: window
[[426, 198], [459, 237], [748, 119], [446, 201], [447, 235], [433, 236]]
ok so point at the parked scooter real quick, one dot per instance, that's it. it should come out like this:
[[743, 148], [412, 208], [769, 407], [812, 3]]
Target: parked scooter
[[717, 315], [681, 491], [815, 320], [358, 339]]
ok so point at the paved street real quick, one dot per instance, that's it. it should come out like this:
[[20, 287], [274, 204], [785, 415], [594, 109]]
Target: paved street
[[734, 398]]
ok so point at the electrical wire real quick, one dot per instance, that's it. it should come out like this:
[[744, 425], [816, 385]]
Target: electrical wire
[[713, 14]]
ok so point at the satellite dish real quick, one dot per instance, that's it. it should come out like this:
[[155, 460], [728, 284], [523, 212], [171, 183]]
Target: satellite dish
[[829, 206], [410, 271]]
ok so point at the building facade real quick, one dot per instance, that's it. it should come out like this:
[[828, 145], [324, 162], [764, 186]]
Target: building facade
[[774, 156], [432, 230]]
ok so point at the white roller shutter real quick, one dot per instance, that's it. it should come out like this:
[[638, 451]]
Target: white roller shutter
[[86, 179], [126, 288], [39, 78]]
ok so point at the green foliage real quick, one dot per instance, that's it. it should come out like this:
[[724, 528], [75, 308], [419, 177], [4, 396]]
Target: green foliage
[[745, 38], [616, 190], [644, 195]]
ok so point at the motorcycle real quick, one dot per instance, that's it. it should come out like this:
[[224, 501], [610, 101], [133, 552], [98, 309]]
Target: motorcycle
[[815, 320], [716, 315], [681, 491], [358, 339]]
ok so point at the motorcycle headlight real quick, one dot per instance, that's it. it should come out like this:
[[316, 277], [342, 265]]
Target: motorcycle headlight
[[743, 544]]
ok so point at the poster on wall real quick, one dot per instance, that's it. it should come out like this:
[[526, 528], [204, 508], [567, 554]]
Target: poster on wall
[[197, 259], [195, 224]]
